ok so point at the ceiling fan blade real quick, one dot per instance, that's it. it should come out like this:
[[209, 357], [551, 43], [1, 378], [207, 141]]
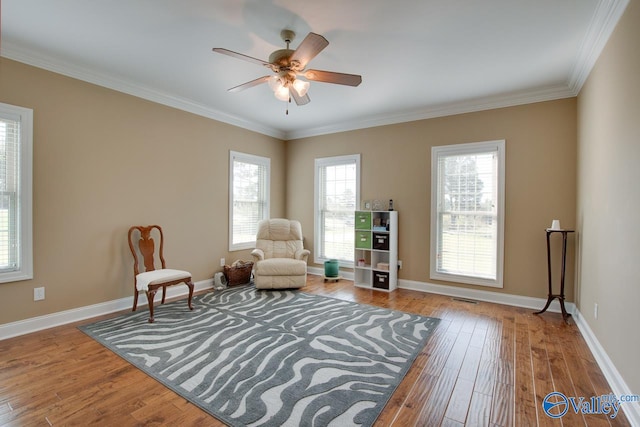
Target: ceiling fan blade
[[252, 83], [241, 56], [333, 77], [308, 49], [300, 100]]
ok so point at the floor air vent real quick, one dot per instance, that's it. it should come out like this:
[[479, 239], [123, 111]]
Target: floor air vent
[[470, 301]]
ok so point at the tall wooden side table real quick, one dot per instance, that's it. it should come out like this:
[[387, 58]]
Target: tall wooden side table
[[560, 296]]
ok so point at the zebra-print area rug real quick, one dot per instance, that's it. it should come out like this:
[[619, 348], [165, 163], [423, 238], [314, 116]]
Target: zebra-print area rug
[[273, 358]]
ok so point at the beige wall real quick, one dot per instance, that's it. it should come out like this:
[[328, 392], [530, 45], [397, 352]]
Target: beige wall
[[609, 197], [104, 161], [540, 182]]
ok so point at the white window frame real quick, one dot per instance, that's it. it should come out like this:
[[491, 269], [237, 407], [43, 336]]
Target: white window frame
[[319, 233], [23, 269], [469, 149], [257, 160]]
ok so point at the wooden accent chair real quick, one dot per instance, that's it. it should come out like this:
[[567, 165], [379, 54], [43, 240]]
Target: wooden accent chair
[[280, 258], [150, 280]]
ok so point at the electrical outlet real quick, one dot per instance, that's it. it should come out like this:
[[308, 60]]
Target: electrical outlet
[[400, 264], [221, 262], [38, 294], [595, 310]]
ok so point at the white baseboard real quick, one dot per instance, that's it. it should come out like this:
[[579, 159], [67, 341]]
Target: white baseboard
[[474, 294], [615, 380], [39, 323], [486, 296]]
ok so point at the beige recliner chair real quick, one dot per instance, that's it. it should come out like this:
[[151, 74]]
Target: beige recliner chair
[[280, 259]]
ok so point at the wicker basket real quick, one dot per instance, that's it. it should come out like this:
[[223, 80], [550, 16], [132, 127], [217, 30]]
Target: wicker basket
[[239, 273]]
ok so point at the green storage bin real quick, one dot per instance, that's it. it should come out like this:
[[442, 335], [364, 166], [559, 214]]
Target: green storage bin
[[331, 268], [363, 239], [363, 221]]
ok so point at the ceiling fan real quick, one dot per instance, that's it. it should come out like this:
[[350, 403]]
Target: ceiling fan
[[288, 65]]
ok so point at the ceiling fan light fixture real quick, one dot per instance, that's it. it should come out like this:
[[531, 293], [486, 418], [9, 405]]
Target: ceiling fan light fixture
[[301, 87], [275, 82], [282, 93]]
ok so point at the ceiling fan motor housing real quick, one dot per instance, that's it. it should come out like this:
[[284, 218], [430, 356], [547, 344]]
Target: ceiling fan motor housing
[[281, 58]]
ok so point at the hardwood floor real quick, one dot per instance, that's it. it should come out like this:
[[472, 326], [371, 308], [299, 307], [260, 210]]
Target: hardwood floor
[[485, 365]]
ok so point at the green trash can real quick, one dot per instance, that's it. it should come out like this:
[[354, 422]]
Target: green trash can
[[331, 268]]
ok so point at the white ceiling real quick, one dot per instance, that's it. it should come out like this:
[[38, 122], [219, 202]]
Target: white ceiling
[[418, 58]]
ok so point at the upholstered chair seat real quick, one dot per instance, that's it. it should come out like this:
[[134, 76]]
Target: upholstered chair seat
[[144, 280]]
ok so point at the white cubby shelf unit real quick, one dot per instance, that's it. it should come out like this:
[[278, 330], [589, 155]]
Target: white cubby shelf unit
[[376, 250]]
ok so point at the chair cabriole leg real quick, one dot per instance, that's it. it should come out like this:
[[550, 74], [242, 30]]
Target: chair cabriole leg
[[190, 285], [151, 293]]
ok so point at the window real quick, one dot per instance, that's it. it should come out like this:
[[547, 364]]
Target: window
[[337, 191], [16, 256], [248, 198], [467, 213]]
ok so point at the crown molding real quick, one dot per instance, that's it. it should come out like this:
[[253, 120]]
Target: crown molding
[[550, 93], [13, 52], [602, 25], [603, 22]]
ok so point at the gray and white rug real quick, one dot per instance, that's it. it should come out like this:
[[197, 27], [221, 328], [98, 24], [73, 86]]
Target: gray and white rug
[[273, 358]]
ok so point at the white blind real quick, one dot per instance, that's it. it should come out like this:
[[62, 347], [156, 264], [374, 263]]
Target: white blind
[[249, 197], [337, 199], [467, 239], [9, 194]]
